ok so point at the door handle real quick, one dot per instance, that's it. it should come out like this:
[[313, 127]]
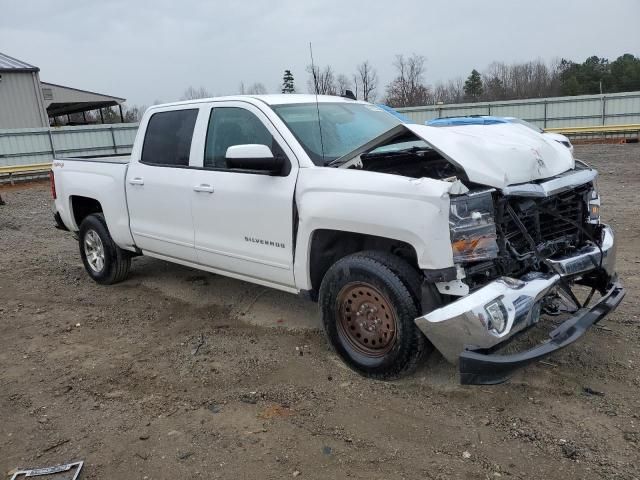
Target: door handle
[[137, 181], [203, 187]]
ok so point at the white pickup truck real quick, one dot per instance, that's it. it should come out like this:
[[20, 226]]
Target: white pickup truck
[[410, 237]]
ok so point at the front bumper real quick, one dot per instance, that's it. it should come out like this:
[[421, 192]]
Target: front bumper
[[484, 369], [462, 330]]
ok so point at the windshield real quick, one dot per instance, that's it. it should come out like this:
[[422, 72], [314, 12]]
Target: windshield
[[345, 126]]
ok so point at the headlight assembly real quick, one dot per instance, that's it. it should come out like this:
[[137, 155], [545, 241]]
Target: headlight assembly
[[472, 227]]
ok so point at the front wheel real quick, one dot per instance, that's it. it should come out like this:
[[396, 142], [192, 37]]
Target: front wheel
[[103, 260], [368, 310]]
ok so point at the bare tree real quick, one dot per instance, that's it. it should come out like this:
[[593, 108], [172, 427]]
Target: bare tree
[[521, 80], [500, 81], [449, 92], [192, 93], [257, 89], [320, 81], [366, 82], [133, 113], [494, 88], [343, 84], [408, 88]]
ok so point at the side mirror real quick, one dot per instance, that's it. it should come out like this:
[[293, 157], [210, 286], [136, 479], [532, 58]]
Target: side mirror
[[254, 157]]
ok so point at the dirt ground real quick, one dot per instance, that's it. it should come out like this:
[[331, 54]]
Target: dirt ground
[[177, 373]]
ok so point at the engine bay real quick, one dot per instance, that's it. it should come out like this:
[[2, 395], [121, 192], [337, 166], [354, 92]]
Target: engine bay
[[415, 162]]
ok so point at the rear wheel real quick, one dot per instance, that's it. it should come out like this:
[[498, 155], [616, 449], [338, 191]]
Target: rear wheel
[[103, 260], [369, 303]]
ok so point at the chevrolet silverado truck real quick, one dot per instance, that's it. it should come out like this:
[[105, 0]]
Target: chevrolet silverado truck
[[411, 238]]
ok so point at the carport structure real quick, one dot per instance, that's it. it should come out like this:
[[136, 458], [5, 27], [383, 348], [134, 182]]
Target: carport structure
[[60, 100]]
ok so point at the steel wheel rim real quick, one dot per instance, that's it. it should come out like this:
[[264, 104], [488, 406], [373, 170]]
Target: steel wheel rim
[[94, 251], [366, 319]]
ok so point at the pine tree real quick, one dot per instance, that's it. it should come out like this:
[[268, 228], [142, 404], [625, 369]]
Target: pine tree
[[473, 85], [287, 82]]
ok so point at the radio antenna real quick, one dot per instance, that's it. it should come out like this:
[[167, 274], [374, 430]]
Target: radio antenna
[[315, 83]]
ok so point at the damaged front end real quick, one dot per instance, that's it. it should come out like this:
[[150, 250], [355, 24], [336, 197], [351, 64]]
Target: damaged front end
[[519, 253], [525, 233]]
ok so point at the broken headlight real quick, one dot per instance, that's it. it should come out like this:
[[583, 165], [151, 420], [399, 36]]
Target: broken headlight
[[472, 227]]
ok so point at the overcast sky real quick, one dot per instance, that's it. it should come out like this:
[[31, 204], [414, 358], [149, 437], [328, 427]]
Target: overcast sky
[[152, 50]]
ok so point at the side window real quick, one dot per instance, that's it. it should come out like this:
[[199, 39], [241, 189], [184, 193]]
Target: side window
[[167, 140], [229, 126]]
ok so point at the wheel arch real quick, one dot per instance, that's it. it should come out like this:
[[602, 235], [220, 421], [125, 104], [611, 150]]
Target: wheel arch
[[81, 207], [327, 246]]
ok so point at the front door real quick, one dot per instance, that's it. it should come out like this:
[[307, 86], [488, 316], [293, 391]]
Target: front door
[[244, 223]]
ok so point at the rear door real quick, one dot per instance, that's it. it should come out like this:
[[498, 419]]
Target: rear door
[[160, 184], [244, 222]]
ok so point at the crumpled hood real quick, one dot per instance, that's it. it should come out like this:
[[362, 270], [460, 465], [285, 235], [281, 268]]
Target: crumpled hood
[[498, 155]]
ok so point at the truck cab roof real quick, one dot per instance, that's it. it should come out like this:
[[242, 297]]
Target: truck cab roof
[[272, 99]]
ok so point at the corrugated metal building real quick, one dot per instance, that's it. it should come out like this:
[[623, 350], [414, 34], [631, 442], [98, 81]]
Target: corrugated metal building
[[26, 102], [21, 102], [578, 111]]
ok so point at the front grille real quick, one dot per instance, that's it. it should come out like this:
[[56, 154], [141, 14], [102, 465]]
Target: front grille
[[550, 221]]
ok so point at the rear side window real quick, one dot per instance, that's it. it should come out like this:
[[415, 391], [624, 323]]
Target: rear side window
[[167, 140]]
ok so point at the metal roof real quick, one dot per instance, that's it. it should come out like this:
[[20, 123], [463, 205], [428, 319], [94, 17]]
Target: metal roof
[[61, 100], [87, 94], [8, 63]]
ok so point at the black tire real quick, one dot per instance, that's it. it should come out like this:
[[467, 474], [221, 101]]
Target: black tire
[[116, 263], [359, 275], [407, 274]]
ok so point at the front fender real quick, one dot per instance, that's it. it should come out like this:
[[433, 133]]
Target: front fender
[[415, 211]]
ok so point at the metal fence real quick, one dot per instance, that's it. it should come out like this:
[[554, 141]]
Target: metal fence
[[40, 145], [24, 146], [579, 111]]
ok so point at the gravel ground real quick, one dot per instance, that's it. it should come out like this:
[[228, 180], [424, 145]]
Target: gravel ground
[[177, 373]]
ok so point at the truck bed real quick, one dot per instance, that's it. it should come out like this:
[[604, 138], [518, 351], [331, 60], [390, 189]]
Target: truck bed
[[101, 179]]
